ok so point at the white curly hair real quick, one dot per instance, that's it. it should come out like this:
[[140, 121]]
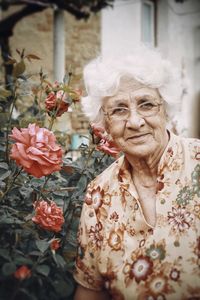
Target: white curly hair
[[102, 79]]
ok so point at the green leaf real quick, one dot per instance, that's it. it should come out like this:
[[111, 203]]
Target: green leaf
[[59, 260], [60, 193], [2, 185], [8, 268], [5, 254], [20, 260], [82, 183], [43, 270], [10, 220], [26, 192], [19, 69], [4, 166], [35, 253], [64, 287], [4, 175], [42, 245]]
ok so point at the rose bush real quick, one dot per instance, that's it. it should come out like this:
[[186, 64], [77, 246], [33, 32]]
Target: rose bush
[[41, 191]]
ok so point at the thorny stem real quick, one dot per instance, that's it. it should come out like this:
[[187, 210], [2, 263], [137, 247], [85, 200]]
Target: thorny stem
[[70, 188], [55, 113], [11, 184], [42, 188], [10, 209], [87, 161], [40, 95], [102, 158], [51, 122], [9, 124]]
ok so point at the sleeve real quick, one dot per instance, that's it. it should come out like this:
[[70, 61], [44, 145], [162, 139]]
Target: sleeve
[[90, 238]]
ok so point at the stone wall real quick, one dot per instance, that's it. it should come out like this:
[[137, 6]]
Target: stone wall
[[35, 34]]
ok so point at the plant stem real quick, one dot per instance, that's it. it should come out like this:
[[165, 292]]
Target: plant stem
[[11, 184], [55, 112], [87, 161], [102, 158], [51, 122], [42, 188], [9, 125]]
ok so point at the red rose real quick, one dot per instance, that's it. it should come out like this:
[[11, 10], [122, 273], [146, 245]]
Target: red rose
[[22, 273], [48, 215], [36, 150], [57, 102], [55, 244]]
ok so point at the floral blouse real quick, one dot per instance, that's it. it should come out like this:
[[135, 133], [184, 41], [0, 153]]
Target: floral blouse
[[119, 251]]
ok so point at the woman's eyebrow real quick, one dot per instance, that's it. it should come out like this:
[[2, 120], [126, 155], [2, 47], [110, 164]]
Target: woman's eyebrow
[[148, 96], [119, 102]]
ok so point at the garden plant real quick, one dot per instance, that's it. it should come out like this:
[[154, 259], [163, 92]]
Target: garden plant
[[41, 188]]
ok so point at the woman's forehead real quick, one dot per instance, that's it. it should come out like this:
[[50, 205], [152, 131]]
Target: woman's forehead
[[130, 89]]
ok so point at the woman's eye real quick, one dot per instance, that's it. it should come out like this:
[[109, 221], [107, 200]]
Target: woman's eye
[[146, 105], [119, 110]]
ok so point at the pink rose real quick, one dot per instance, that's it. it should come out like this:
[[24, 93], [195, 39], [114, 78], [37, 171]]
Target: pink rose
[[22, 273], [108, 147], [48, 215], [98, 131], [36, 150], [57, 102], [105, 144]]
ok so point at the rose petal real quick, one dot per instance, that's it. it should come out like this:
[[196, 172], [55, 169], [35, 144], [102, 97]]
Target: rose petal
[[19, 137]]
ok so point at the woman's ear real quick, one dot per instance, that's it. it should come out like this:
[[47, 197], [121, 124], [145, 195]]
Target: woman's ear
[[166, 115]]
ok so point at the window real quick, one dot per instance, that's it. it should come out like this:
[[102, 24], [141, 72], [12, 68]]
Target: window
[[148, 22]]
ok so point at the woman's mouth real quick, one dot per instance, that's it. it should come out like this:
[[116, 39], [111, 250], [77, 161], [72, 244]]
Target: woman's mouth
[[138, 137]]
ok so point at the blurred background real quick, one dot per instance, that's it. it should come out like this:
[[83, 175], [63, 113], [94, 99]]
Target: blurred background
[[67, 34]]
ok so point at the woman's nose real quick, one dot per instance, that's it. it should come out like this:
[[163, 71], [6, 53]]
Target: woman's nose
[[135, 120]]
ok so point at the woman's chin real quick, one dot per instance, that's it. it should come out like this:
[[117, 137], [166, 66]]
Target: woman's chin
[[141, 150]]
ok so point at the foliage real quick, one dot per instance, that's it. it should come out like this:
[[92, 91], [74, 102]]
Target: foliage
[[37, 249]]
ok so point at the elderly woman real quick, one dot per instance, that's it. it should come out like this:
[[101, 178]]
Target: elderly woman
[[139, 234]]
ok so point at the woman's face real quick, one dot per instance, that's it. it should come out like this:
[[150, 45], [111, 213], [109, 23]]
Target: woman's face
[[143, 131]]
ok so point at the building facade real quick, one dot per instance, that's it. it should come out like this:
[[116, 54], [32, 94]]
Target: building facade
[[173, 27]]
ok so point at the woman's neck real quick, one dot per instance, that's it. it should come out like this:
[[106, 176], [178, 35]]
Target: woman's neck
[[146, 167]]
